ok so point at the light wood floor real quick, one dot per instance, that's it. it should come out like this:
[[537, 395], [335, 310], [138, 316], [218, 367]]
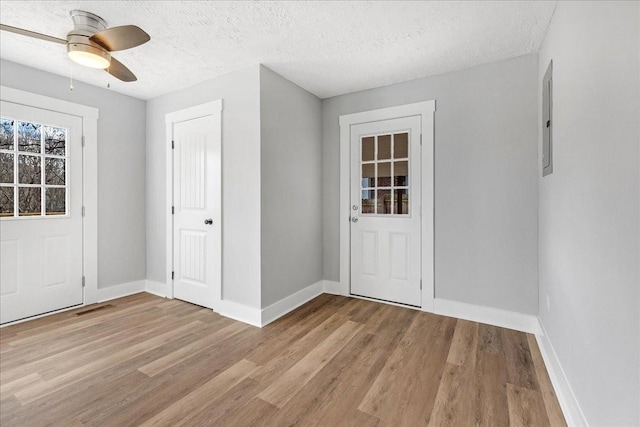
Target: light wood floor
[[336, 361]]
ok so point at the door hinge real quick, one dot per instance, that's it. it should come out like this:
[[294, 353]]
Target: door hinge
[[173, 144], [173, 275], [84, 281], [83, 211], [420, 284], [420, 139], [173, 210], [83, 140]]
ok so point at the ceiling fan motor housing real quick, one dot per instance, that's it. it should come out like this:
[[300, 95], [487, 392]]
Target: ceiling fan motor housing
[[86, 24], [87, 21]]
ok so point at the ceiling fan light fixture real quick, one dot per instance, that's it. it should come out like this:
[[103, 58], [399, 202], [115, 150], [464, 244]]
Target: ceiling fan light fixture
[[90, 42], [89, 56]]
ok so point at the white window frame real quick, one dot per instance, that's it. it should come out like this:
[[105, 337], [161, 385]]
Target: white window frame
[[89, 116], [426, 112]]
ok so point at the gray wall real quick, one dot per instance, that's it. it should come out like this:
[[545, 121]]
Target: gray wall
[[589, 207], [485, 180], [121, 167], [291, 181], [240, 179]]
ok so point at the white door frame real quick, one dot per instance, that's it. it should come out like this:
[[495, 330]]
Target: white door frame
[[213, 108], [426, 111], [89, 117]]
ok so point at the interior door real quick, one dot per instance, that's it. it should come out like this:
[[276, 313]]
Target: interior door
[[385, 215], [40, 211], [197, 213]]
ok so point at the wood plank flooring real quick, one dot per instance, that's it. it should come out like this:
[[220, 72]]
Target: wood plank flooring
[[335, 361]]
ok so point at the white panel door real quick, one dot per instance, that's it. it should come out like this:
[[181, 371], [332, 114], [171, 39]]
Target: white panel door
[[385, 210], [197, 213], [40, 211]]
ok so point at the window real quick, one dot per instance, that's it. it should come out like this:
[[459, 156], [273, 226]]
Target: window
[[33, 169], [385, 174]]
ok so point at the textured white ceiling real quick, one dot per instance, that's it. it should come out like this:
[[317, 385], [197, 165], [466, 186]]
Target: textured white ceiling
[[327, 47]]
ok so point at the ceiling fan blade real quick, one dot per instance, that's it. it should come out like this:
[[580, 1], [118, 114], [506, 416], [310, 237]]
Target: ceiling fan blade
[[31, 34], [120, 38], [119, 71]]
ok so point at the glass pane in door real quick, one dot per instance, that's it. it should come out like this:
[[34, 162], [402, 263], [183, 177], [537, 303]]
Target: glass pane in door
[[54, 171], [401, 202], [54, 140], [384, 202], [6, 168], [401, 145], [368, 148], [6, 134], [55, 201], [29, 169], [384, 147], [6, 201], [401, 174], [368, 175], [29, 201], [384, 174], [368, 201], [29, 137]]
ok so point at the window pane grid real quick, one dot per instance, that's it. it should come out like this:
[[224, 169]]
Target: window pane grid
[[34, 176], [384, 167]]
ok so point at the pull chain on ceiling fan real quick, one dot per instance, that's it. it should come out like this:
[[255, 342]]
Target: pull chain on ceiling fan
[[90, 43]]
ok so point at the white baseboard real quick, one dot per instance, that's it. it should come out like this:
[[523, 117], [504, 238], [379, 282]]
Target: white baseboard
[[256, 317], [491, 316], [241, 312], [331, 287], [461, 310], [570, 408], [157, 288], [285, 305], [119, 291]]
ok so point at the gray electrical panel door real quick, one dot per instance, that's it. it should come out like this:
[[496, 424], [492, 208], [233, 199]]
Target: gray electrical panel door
[[547, 121]]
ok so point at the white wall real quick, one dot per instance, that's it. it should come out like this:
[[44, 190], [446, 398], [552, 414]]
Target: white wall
[[240, 179], [291, 181], [121, 168], [485, 180], [589, 206]]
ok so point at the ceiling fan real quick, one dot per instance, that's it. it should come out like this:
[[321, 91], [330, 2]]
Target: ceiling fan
[[90, 43]]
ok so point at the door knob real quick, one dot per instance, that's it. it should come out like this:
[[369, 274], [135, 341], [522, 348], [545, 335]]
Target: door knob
[[208, 221], [354, 219]]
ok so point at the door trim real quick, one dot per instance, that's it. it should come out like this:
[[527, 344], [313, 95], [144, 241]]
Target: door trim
[[426, 111], [213, 108], [89, 117]]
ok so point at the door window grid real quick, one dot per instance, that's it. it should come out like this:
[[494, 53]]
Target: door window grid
[[384, 173], [33, 169]]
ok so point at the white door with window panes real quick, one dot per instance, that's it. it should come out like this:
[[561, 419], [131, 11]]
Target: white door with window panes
[[40, 211], [386, 210]]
